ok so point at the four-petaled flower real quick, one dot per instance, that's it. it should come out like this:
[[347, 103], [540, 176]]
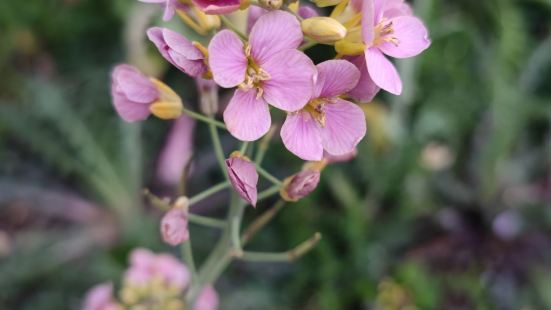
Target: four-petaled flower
[[327, 122], [267, 69]]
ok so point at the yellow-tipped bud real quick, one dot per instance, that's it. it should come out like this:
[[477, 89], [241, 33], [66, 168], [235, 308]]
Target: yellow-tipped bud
[[345, 47], [169, 105], [324, 3], [323, 29]]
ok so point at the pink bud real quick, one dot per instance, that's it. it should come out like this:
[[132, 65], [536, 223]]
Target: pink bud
[[132, 93], [174, 225], [100, 297], [299, 185], [207, 299], [243, 177]]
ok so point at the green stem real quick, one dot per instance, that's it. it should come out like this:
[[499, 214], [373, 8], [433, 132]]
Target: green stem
[[263, 146], [243, 148], [204, 118], [261, 221], [218, 150], [236, 215], [287, 256], [206, 193], [268, 192], [228, 23], [187, 255], [206, 221], [268, 176]]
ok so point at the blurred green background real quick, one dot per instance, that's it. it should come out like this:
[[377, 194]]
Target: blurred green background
[[447, 205]]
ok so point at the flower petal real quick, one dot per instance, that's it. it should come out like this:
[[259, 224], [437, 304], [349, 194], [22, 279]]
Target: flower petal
[[227, 59], [181, 45], [344, 127], [366, 89], [177, 151], [129, 111], [217, 6], [246, 116], [243, 177], [412, 36], [336, 77], [302, 136], [382, 71], [133, 84], [274, 32], [291, 80], [368, 24]]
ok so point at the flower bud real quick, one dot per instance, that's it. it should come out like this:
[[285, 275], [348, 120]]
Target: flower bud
[[208, 100], [350, 48], [132, 93], [300, 185], [243, 177], [324, 3], [323, 29], [207, 299], [174, 224], [169, 104], [271, 4]]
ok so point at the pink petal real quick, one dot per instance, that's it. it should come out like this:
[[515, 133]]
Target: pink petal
[[217, 6], [302, 136], [129, 111], [181, 45], [253, 15], [172, 271], [366, 89], [170, 8], [368, 23], [301, 184], [412, 36], [382, 71], [336, 77], [99, 297], [306, 11], [246, 116], [243, 177], [174, 227], [274, 32], [227, 59], [395, 8], [177, 151], [291, 80], [344, 127], [207, 299], [133, 84]]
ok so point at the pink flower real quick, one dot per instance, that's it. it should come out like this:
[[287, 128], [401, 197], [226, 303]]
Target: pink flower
[[207, 299], [268, 69], [178, 50], [177, 151], [326, 122], [132, 93], [243, 177], [170, 7], [217, 6], [388, 28], [300, 185], [174, 224], [145, 266], [100, 297]]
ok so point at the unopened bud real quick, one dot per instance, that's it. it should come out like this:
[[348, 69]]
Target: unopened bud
[[169, 104], [346, 47], [323, 29], [271, 4], [299, 185], [174, 224], [324, 3]]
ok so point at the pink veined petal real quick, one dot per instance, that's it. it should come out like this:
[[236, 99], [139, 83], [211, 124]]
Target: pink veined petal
[[217, 6], [254, 14], [133, 84], [244, 178], [193, 68], [382, 71], [291, 81], [366, 89], [129, 111], [368, 24], [307, 11], [335, 77], [246, 116], [395, 8], [412, 36], [302, 136], [274, 32], [181, 45], [227, 59], [344, 127]]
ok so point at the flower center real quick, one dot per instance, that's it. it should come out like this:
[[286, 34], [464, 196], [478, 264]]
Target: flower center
[[315, 108], [254, 76], [383, 33]]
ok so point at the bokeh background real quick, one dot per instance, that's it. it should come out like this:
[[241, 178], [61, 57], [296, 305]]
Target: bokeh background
[[446, 206]]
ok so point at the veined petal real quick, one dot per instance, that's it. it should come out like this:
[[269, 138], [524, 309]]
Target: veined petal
[[335, 77], [181, 45], [133, 84], [382, 71], [368, 22], [217, 6], [246, 116], [344, 127], [274, 32], [411, 35], [366, 89], [302, 136], [253, 15], [227, 59], [129, 111], [291, 80]]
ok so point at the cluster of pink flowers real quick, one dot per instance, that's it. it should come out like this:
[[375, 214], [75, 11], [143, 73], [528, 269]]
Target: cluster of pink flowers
[[265, 67]]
